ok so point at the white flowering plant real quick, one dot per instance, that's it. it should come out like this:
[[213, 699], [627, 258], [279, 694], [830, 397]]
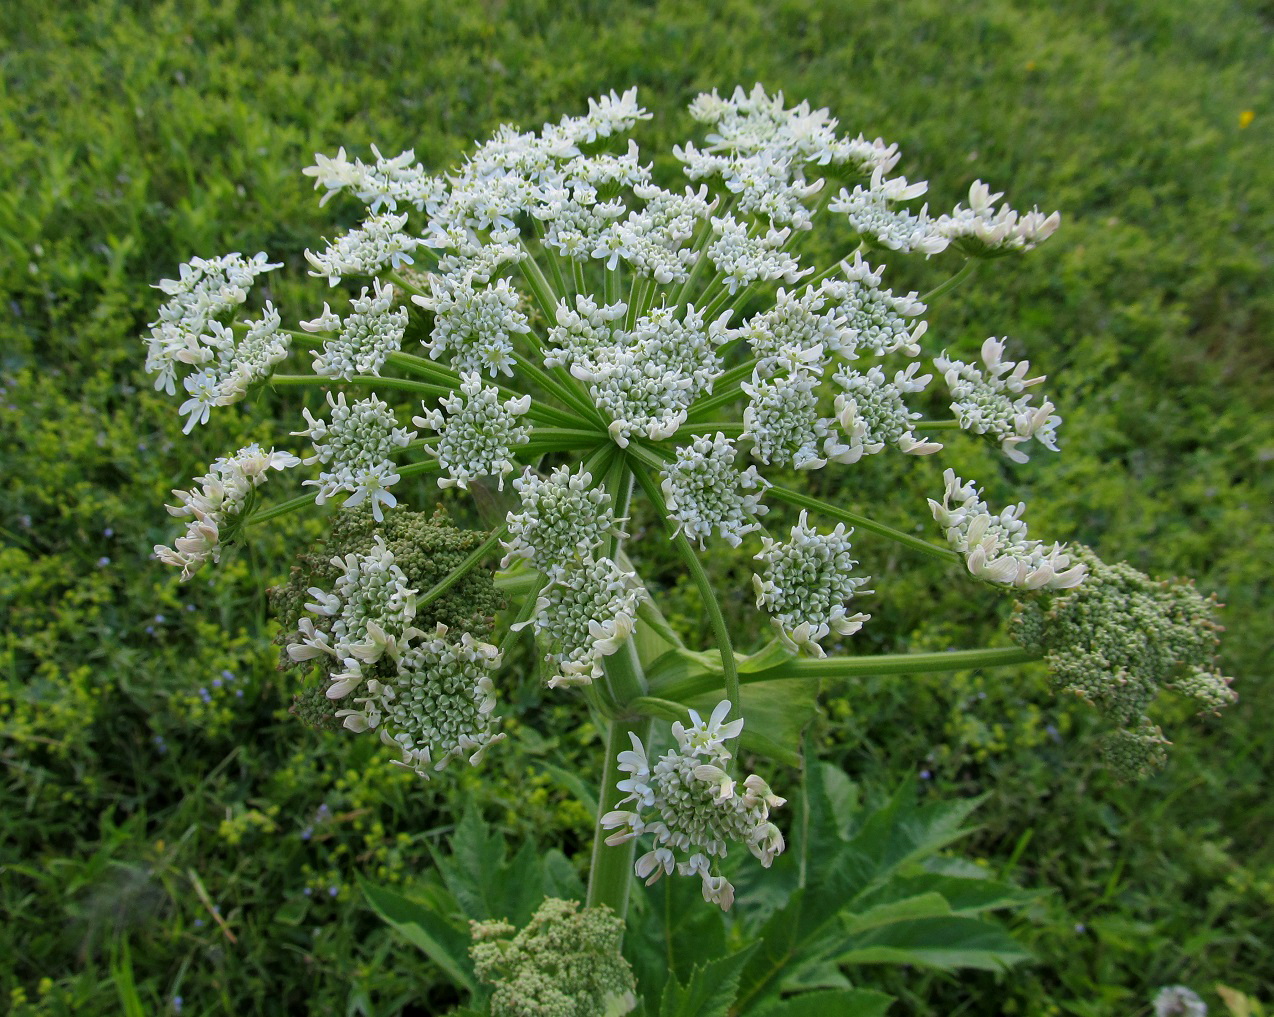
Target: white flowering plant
[[550, 321]]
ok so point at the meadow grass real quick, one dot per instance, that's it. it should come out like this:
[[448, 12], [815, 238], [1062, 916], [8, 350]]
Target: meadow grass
[[168, 831]]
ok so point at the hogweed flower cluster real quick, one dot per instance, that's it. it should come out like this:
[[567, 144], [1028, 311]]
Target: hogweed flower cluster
[[692, 807], [552, 313]]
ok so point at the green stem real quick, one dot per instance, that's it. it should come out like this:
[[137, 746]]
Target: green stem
[[281, 509], [540, 288], [456, 574], [937, 425], [720, 631], [967, 269], [429, 369], [854, 519], [557, 389], [725, 389], [362, 380], [833, 668], [610, 876]]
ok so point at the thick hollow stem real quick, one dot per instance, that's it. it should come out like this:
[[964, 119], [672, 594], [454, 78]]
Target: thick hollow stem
[[610, 877]]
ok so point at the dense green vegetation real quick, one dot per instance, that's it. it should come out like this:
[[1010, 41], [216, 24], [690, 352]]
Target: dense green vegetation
[[165, 824]]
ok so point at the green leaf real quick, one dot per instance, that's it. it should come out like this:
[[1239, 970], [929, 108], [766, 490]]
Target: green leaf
[[471, 868], [293, 911], [942, 943], [575, 784], [925, 905], [965, 896], [426, 927], [560, 878], [836, 1003], [821, 974], [710, 991]]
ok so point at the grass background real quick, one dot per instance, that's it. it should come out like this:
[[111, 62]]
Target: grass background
[[155, 794]]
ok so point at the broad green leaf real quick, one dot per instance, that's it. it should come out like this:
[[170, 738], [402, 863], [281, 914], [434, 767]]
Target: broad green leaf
[[560, 878], [965, 896], [840, 874], [943, 943], [293, 911], [836, 1003], [427, 928], [669, 932], [476, 855], [925, 905], [819, 974], [710, 991], [519, 886]]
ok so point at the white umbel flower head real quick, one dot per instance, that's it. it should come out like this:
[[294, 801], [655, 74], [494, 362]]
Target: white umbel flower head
[[871, 216], [479, 433], [189, 334], [983, 232], [645, 379], [366, 616], [996, 403], [356, 445], [796, 328], [586, 613], [692, 807], [473, 325], [874, 318], [437, 706], [366, 250], [704, 490], [996, 547], [365, 339], [563, 520], [742, 258], [217, 506], [807, 585], [784, 425], [872, 412], [381, 185]]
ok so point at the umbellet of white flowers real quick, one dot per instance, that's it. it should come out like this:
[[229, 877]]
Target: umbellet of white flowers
[[806, 585], [705, 490], [995, 546], [218, 505], [479, 434], [688, 802], [356, 445], [985, 403], [365, 338], [435, 705]]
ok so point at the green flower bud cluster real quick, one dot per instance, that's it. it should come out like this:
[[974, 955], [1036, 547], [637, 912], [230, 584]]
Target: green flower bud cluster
[[1116, 640], [565, 963]]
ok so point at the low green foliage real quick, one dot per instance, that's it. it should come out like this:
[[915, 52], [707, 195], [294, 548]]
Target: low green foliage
[[168, 831]]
